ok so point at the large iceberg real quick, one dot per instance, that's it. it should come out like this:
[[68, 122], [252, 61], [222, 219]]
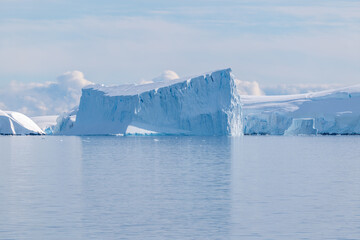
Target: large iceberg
[[331, 112], [208, 104], [14, 123]]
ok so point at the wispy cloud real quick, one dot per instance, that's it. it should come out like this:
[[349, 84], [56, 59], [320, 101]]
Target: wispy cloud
[[254, 88], [110, 50], [265, 41], [113, 50]]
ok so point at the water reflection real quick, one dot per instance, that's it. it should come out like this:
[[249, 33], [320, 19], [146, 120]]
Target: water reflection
[[295, 188], [179, 188], [163, 187], [40, 187]]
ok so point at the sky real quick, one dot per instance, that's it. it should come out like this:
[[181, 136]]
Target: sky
[[273, 43]]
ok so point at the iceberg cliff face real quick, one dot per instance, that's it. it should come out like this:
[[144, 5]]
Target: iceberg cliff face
[[204, 105], [301, 126], [332, 111], [14, 123]]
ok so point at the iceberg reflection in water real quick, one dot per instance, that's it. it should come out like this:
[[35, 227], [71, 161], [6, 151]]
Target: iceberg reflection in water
[[252, 187]]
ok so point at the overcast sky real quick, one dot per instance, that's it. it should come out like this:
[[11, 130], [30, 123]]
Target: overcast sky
[[113, 42]]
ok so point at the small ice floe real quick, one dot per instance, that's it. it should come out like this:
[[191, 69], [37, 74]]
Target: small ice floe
[[119, 135]]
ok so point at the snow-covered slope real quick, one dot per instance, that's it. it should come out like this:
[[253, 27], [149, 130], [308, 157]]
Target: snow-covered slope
[[333, 112], [14, 123], [204, 105]]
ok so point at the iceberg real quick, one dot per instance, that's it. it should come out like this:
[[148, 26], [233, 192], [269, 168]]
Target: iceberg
[[14, 123], [208, 104], [332, 112]]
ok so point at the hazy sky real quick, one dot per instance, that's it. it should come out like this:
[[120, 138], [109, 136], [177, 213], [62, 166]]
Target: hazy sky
[[113, 42]]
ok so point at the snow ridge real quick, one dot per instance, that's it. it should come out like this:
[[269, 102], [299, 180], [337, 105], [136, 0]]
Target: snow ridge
[[14, 123]]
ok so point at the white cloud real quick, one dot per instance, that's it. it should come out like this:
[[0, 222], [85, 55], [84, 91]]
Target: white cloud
[[248, 88], [164, 76], [49, 98], [72, 80], [254, 88]]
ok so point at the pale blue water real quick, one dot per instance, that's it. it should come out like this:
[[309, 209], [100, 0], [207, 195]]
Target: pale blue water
[[180, 188]]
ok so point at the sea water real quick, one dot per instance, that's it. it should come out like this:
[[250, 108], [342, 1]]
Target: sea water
[[252, 187]]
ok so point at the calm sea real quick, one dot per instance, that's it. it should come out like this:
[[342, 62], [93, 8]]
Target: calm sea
[[253, 187]]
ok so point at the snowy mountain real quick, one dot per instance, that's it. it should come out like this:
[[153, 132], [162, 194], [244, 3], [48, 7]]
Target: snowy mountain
[[326, 112], [208, 104], [14, 123]]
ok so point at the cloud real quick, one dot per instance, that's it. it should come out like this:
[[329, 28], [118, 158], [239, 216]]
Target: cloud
[[248, 88], [49, 98], [72, 80], [254, 88], [164, 76], [113, 49]]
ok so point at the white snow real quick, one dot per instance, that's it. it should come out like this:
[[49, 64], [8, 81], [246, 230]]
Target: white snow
[[204, 105], [14, 123], [132, 130], [333, 111]]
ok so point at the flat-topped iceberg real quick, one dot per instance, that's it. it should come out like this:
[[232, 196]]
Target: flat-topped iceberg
[[331, 112], [14, 123], [208, 104]]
